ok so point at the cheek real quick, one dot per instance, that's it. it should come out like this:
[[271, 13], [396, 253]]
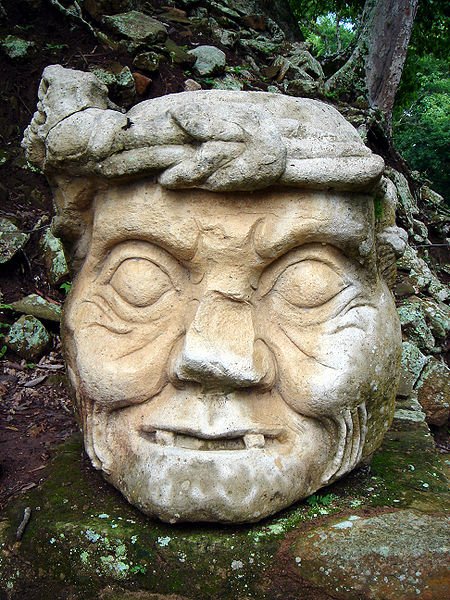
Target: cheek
[[324, 369], [121, 363]]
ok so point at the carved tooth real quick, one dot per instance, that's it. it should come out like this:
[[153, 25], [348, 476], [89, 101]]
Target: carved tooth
[[165, 438], [254, 440]]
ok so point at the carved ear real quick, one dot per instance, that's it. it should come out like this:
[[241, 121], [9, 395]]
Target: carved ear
[[391, 244]]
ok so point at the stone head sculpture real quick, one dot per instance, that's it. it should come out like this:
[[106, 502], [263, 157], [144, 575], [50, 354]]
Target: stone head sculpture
[[230, 337]]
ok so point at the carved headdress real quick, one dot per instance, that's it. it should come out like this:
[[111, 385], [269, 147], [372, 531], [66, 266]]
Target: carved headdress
[[214, 140]]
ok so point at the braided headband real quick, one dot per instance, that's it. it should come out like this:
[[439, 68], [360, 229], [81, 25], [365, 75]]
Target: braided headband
[[215, 140]]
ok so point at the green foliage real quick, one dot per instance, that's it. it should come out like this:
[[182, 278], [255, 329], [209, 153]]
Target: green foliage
[[329, 26], [66, 287], [328, 36], [316, 500], [421, 127], [431, 33]]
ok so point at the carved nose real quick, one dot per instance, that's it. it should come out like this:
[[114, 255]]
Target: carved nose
[[220, 348]]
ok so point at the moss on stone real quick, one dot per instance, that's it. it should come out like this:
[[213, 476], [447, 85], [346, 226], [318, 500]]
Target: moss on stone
[[83, 536]]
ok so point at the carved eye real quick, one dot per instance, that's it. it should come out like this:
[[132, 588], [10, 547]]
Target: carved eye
[[140, 281], [309, 283]]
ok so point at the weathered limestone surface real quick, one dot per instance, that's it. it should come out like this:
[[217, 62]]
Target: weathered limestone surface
[[231, 338]]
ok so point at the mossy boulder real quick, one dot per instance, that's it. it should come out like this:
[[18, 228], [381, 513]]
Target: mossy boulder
[[84, 541], [38, 307], [11, 240], [28, 337], [137, 27], [54, 257]]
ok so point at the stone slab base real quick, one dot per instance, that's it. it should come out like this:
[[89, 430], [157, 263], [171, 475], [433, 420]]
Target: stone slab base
[[381, 533]]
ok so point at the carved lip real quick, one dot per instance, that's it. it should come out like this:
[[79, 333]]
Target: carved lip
[[230, 440]]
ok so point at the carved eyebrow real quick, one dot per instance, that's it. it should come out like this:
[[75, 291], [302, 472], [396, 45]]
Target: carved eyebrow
[[296, 232], [181, 247]]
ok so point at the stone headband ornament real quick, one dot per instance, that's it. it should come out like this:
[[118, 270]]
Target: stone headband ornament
[[214, 140]]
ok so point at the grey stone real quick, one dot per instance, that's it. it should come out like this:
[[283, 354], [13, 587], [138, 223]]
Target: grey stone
[[191, 86], [261, 45], [437, 315], [407, 205], [434, 392], [209, 60], [401, 554], [136, 26], [38, 307], [55, 259], [421, 276], [148, 61], [225, 10], [11, 240], [225, 37], [430, 197], [305, 87], [304, 60], [119, 81], [411, 416], [414, 325], [413, 361], [28, 337]]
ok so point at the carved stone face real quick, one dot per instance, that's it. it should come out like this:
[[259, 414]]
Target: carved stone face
[[231, 352]]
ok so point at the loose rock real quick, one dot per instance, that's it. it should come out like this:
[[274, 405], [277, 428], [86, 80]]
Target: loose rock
[[395, 555], [38, 307], [11, 240], [412, 319], [28, 337], [191, 86], [434, 392], [55, 259], [148, 61], [16, 47], [141, 82], [413, 361], [137, 27], [209, 60]]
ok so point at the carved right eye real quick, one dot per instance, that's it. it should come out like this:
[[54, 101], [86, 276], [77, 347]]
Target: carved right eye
[[309, 283], [140, 282]]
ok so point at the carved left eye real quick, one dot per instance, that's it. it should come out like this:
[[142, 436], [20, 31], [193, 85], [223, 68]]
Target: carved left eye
[[140, 282], [309, 283]]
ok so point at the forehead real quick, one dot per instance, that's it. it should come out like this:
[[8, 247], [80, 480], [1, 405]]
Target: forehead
[[273, 220]]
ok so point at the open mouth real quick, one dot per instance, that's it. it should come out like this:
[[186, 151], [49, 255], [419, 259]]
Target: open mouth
[[247, 441]]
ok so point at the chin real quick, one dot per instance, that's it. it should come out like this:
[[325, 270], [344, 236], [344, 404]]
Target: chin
[[178, 484]]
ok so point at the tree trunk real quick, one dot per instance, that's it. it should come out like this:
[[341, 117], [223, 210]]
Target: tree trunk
[[376, 64]]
